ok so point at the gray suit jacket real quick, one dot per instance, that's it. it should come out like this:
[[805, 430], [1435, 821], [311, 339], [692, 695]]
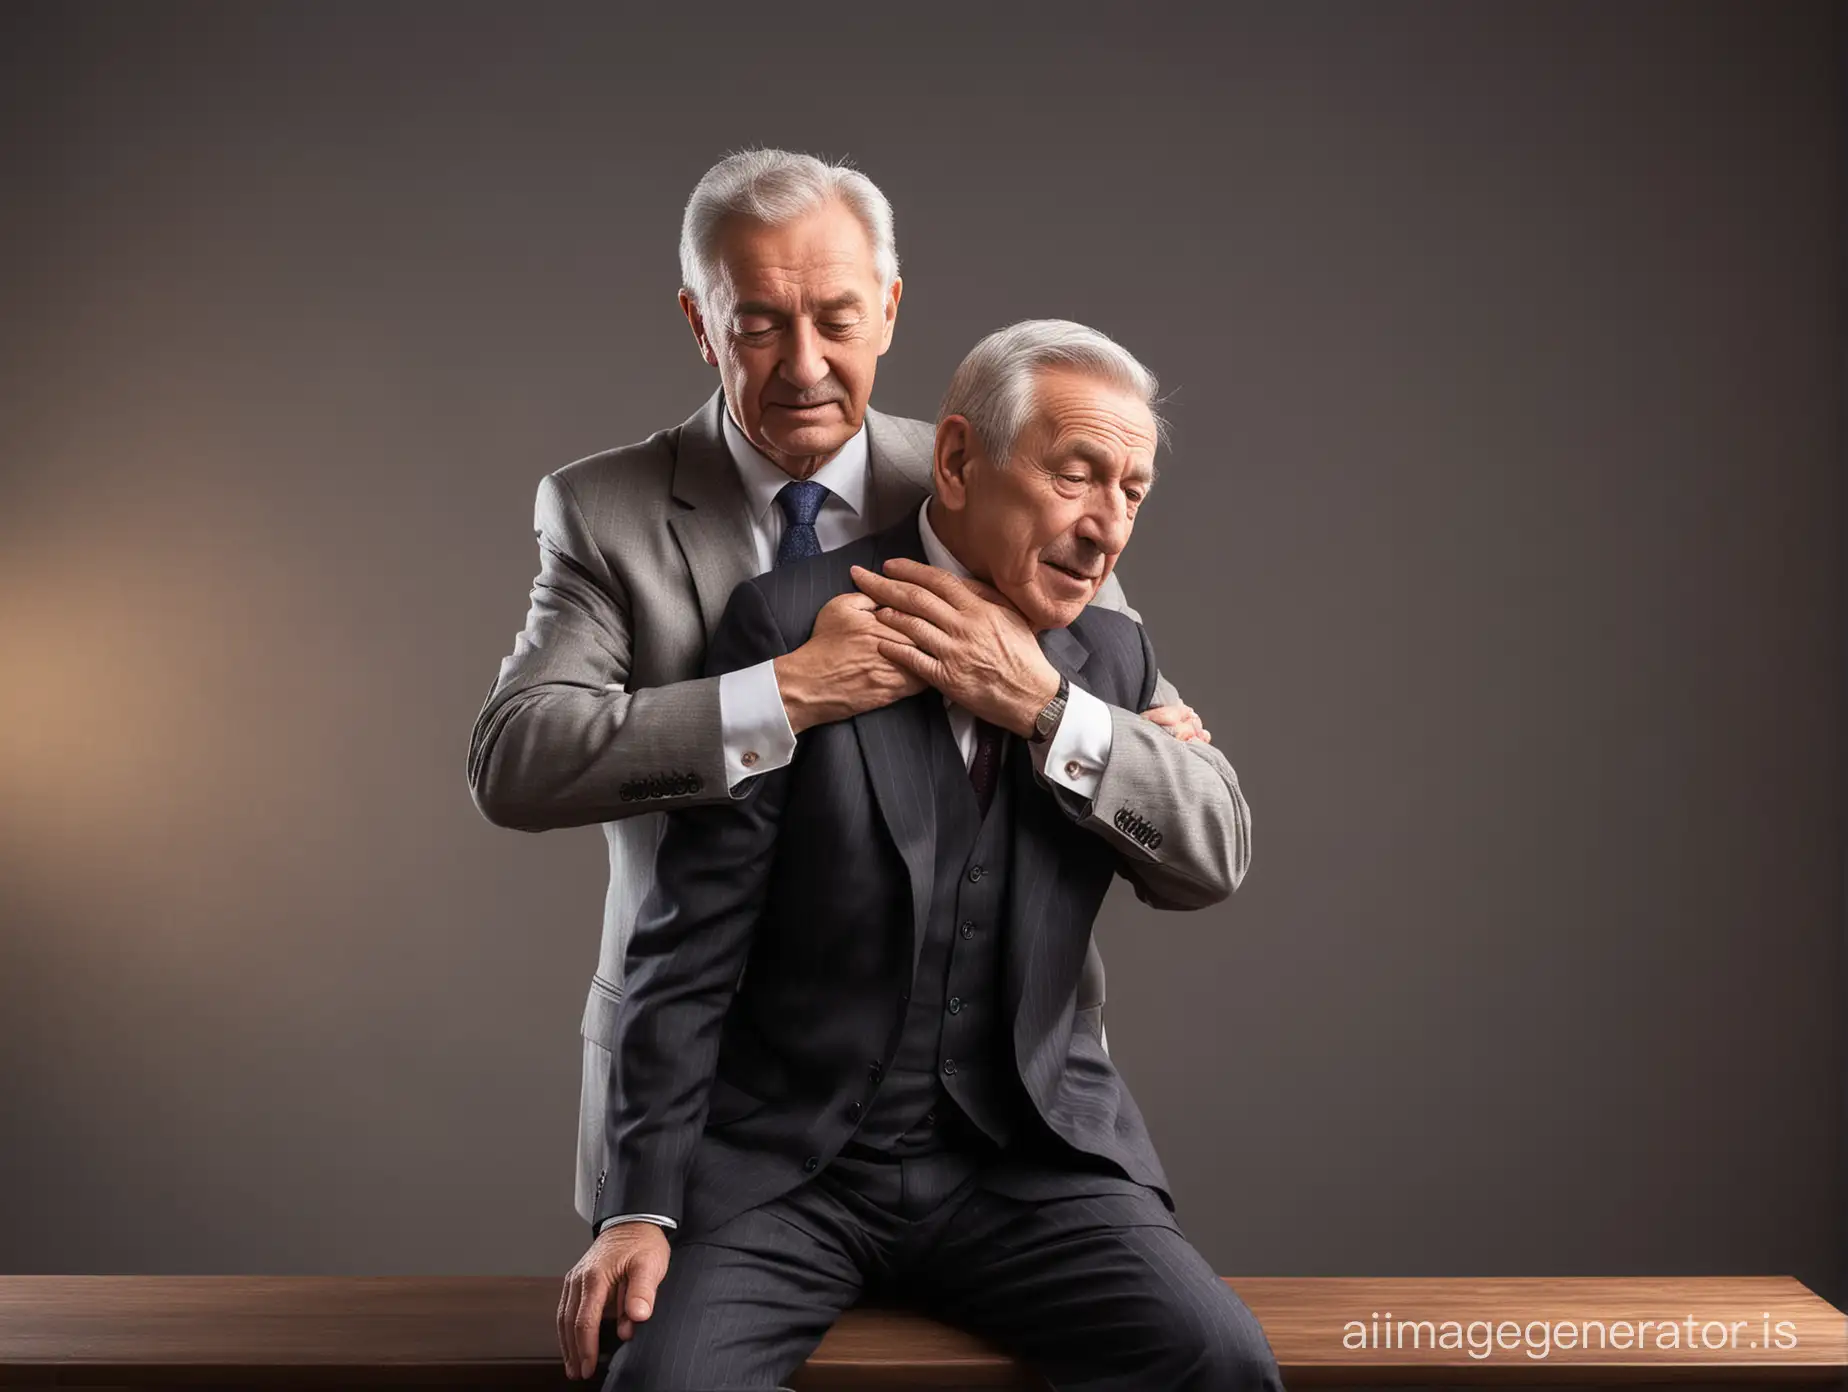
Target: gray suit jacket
[[601, 714], [731, 1092]]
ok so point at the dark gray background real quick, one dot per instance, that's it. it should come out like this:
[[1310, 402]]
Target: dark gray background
[[1502, 549]]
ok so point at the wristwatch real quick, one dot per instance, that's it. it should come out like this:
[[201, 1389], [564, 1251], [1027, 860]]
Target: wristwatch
[[1048, 719]]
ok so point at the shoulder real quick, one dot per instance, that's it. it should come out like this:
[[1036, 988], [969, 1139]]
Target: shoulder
[[634, 480], [917, 436], [1122, 661]]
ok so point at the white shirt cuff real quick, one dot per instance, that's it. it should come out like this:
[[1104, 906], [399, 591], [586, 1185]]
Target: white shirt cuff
[[753, 724], [634, 1218], [1079, 749]]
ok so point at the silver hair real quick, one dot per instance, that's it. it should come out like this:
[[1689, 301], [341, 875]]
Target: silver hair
[[993, 388], [776, 186]]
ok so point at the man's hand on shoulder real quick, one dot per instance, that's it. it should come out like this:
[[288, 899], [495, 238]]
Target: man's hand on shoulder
[[841, 671], [965, 639], [1179, 721], [626, 1263]]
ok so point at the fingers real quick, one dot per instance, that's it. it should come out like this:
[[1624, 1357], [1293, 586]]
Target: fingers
[[951, 589], [1170, 715], [567, 1322], [913, 599], [625, 1327], [987, 593], [915, 630], [585, 1320], [916, 661]]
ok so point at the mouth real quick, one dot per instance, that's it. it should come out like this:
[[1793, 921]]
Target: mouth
[[804, 412], [1075, 577]]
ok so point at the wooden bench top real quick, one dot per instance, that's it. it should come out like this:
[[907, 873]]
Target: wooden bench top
[[469, 1331]]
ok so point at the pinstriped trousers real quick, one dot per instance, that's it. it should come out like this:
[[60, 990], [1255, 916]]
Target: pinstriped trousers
[[1097, 1290]]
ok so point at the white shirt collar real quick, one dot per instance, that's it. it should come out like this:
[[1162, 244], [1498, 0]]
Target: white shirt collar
[[935, 551], [844, 475]]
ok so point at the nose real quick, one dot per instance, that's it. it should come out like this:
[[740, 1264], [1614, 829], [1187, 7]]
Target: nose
[[1106, 522], [803, 363]]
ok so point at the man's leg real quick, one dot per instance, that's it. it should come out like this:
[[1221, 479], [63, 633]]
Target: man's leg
[[743, 1305], [1098, 1292]]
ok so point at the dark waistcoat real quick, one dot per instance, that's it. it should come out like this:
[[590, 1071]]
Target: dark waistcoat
[[955, 1045]]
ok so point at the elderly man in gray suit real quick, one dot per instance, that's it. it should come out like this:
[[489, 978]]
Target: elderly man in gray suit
[[849, 1055], [790, 284]]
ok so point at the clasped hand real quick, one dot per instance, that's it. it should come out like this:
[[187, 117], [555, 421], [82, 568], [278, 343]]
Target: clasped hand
[[965, 639]]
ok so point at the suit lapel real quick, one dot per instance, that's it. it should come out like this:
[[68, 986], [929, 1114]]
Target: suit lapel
[[895, 742], [714, 534], [1035, 841]]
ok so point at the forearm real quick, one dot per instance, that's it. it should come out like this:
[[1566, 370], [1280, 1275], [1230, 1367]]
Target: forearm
[[558, 754], [1174, 814]]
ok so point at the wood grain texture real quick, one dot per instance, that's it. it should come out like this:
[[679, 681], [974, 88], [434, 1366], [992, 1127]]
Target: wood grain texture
[[383, 1331]]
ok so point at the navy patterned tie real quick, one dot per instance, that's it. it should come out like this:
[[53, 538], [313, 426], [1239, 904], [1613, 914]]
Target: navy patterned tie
[[985, 767], [801, 502]]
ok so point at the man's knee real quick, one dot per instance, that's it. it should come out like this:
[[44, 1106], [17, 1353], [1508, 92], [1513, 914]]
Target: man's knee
[[1215, 1344]]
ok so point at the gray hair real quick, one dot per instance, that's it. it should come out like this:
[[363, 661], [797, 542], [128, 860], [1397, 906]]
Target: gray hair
[[993, 388], [776, 186]]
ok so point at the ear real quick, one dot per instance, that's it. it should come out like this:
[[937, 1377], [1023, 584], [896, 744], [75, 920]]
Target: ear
[[696, 321], [955, 451], [891, 314]]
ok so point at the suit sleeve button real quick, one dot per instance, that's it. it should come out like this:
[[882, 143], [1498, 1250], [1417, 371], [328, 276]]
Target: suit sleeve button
[[812, 1164]]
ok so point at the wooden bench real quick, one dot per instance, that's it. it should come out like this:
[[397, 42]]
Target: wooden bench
[[499, 1332]]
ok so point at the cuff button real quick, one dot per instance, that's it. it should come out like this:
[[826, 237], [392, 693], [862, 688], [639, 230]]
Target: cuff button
[[749, 758]]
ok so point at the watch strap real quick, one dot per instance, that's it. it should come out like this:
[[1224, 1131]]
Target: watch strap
[[1048, 719]]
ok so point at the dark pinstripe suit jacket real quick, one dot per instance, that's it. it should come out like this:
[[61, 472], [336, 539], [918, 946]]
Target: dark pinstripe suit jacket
[[815, 886]]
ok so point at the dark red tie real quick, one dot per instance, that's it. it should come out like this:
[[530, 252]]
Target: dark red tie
[[985, 767]]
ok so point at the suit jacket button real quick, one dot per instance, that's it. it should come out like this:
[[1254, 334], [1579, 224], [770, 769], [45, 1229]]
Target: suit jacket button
[[949, 1068], [955, 1004], [812, 1164], [975, 873], [875, 1071], [968, 928], [854, 1109]]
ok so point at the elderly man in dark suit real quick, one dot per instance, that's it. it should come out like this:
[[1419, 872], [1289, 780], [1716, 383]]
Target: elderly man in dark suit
[[790, 285], [850, 1057]]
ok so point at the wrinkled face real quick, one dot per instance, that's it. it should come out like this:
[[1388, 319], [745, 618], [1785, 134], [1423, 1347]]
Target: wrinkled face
[[796, 327], [1046, 528]]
